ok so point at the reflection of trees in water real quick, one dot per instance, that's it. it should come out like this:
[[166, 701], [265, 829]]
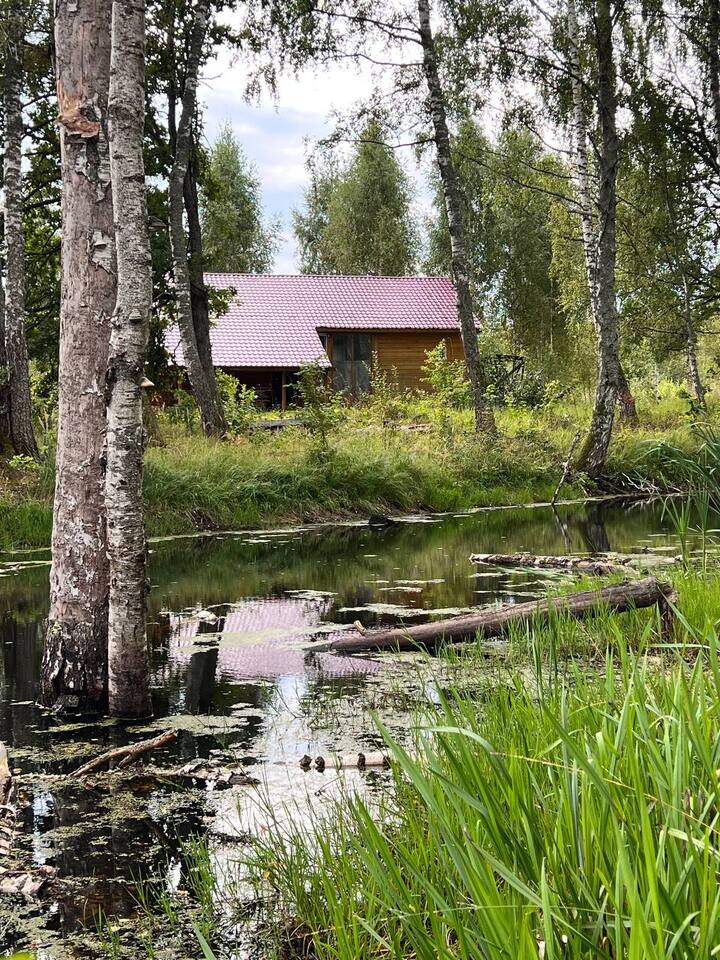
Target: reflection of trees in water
[[593, 528], [21, 654]]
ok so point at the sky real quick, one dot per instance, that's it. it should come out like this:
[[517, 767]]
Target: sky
[[274, 132]]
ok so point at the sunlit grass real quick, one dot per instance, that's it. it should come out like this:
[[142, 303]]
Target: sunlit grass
[[426, 459]]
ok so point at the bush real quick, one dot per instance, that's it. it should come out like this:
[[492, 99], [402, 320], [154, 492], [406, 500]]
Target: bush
[[446, 378], [239, 401], [321, 408]]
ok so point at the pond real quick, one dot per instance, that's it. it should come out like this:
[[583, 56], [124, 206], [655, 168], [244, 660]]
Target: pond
[[232, 619]]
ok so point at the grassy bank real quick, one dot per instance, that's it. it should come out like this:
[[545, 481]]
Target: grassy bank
[[427, 459], [555, 807]]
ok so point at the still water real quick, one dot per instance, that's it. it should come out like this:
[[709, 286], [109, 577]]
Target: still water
[[232, 621]]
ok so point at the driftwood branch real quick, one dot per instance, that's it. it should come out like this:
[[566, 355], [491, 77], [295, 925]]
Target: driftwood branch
[[567, 467], [592, 566], [126, 755], [496, 622]]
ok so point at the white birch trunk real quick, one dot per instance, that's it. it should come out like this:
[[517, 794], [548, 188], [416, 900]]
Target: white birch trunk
[[74, 671], [593, 455], [583, 179], [484, 418], [694, 377], [16, 358], [202, 382], [5, 439], [714, 68], [128, 664]]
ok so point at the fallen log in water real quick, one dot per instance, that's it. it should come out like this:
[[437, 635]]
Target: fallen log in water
[[345, 761], [125, 755], [592, 566], [496, 622]]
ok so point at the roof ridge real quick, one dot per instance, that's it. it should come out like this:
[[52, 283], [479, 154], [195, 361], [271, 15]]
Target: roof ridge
[[327, 276]]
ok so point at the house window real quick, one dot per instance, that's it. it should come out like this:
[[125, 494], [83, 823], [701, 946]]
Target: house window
[[351, 360]]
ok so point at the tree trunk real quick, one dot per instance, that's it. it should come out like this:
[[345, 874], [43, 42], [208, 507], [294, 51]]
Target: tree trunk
[[626, 400], [74, 672], [5, 439], [198, 290], [696, 383], [16, 357], [497, 622], [582, 161], [484, 417], [714, 68], [128, 664], [593, 455], [203, 387]]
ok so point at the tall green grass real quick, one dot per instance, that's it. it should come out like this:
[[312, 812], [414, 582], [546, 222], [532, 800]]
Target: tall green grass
[[562, 814], [429, 459]]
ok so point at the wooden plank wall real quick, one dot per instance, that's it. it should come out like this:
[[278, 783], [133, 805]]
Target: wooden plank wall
[[406, 352]]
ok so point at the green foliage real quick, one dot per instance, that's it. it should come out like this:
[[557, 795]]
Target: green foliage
[[385, 402], [236, 238], [446, 378], [192, 483], [239, 402], [320, 407], [357, 217], [508, 207]]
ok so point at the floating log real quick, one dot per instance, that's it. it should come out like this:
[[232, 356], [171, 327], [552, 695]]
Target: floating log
[[592, 566], [345, 761], [126, 755], [496, 622]]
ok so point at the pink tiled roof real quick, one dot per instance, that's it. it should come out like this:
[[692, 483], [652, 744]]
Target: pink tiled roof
[[273, 321]]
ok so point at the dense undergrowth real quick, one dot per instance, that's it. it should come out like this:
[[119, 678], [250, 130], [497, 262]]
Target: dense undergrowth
[[387, 454], [562, 805]]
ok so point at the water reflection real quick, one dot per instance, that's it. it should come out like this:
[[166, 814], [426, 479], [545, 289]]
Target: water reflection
[[231, 624]]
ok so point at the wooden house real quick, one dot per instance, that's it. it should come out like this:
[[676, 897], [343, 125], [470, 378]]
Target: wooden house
[[276, 324]]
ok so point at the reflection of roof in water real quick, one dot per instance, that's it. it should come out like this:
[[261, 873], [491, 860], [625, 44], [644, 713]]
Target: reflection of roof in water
[[259, 637]]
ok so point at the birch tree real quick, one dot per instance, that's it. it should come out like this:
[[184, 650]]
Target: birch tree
[[128, 668], [484, 418], [202, 381], [15, 347], [601, 267], [4, 377], [74, 672], [590, 236]]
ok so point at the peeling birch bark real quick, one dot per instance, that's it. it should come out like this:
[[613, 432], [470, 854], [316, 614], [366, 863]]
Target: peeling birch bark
[[204, 387], [484, 417], [128, 661], [74, 672], [22, 433]]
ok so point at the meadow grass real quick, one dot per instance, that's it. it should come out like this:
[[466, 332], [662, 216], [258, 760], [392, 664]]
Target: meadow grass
[[562, 808], [426, 458]]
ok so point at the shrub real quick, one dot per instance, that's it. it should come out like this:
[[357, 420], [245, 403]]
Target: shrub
[[446, 378], [239, 401], [321, 408]]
